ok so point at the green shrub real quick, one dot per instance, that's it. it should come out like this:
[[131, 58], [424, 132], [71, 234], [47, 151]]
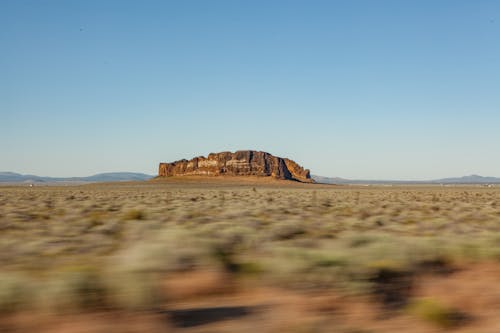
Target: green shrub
[[135, 214], [436, 313], [133, 290], [76, 289], [287, 230], [16, 292]]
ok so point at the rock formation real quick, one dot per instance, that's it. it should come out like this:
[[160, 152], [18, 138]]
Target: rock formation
[[240, 163]]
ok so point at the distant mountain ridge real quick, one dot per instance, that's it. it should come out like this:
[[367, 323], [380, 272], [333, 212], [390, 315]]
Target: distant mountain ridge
[[472, 179], [12, 177]]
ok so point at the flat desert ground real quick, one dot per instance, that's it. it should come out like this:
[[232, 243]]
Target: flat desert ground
[[252, 255]]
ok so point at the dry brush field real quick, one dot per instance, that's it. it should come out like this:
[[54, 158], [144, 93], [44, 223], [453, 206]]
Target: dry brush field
[[252, 257]]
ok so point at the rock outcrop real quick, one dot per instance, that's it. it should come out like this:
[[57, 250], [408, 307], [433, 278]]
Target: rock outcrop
[[240, 163]]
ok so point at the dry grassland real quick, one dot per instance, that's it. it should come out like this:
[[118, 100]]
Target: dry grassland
[[253, 256]]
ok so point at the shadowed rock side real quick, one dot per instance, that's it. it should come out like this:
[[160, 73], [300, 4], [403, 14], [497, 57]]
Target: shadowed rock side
[[240, 163]]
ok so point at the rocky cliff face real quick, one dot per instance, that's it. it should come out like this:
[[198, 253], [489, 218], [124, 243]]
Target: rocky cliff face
[[240, 163]]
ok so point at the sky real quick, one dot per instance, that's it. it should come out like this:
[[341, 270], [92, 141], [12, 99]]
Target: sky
[[354, 89]]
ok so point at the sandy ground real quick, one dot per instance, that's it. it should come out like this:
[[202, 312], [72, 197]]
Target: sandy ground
[[302, 242]]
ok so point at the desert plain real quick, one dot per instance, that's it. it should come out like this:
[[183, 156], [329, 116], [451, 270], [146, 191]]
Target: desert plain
[[249, 255]]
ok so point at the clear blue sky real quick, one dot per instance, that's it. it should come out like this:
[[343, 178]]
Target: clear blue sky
[[355, 89]]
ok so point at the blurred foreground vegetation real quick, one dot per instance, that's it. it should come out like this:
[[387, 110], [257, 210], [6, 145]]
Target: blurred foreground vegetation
[[116, 247]]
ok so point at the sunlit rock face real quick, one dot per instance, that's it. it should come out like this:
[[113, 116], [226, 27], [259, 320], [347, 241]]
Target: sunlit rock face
[[240, 163]]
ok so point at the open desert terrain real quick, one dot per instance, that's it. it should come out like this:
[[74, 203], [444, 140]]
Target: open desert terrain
[[249, 255]]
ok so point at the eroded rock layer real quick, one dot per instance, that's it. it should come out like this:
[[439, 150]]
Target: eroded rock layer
[[240, 163]]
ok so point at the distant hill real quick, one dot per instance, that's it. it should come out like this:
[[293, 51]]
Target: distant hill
[[11, 177], [117, 176], [330, 180], [472, 179]]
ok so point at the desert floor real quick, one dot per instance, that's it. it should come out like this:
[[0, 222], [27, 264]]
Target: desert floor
[[253, 255]]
